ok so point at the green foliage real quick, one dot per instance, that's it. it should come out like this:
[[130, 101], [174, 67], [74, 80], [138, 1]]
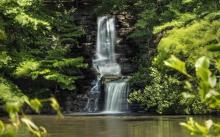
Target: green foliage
[[187, 29], [26, 67], [35, 104], [208, 129], [174, 62], [14, 108], [2, 35], [34, 129], [180, 22], [19, 12], [14, 101], [9, 91], [207, 82], [34, 69], [109, 6], [163, 95], [191, 41], [73, 62], [157, 96], [209, 92], [36, 45], [66, 82], [4, 59]]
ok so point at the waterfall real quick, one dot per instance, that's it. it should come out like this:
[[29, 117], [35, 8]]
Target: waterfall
[[116, 96], [92, 103], [105, 64]]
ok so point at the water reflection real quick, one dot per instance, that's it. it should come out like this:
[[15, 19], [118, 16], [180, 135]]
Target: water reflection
[[108, 126]]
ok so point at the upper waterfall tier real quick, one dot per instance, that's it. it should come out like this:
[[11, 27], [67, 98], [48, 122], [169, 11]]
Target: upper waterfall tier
[[105, 61]]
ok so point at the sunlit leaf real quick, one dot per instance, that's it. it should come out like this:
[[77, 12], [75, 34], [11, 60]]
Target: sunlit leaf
[[29, 123], [35, 104], [187, 1], [212, 93], [209, 124], [177, 64], [202, 68], [188, 85], [55, 105], [34, 129], [218, 64], [26, 67], [2, 127], [212, 81], [187, 95], [202, 62], [10, 131], [13, 106]]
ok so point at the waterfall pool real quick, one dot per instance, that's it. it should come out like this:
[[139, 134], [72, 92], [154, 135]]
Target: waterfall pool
[[115, 126]]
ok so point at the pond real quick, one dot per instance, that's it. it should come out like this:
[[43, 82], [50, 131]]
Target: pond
[[114, 126]]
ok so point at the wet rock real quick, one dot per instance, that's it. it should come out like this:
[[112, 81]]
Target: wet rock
[[109, 78], [121, 17]]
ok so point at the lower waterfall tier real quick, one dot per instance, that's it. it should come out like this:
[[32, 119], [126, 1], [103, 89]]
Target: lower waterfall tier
[[116, 93]]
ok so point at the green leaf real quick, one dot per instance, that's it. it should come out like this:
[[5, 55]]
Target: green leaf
[[2, 127], [212, 93], [187, 95], [209, 124], [10, 131], [188, 85], [177, 64], [2, 35], [202, 62], [202, 68], [55, 105], [212, 81], [4, 59], [214, 48], [13, 106], [187, 1], [26, 67], [218, 64], [33, 128], [36, 105]]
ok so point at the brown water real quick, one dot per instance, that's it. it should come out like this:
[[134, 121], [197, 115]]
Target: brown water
[[114, 126]]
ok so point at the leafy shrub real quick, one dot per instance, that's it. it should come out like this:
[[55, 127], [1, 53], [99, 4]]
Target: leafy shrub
[[187, 29], [207, 90], [163, 95], [36, 43], [190, 41]]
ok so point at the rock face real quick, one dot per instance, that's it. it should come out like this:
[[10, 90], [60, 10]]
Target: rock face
[[75, 103], [125, 50]]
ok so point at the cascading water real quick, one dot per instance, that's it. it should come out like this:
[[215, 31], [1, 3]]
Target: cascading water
[[92, 103], [116, 97], [105, 64]]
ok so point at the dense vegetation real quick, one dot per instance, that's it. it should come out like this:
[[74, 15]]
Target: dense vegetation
[[207, 90], [36, 43], [187, 29]]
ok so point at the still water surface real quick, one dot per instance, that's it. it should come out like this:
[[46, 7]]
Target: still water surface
[[114, 126]]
